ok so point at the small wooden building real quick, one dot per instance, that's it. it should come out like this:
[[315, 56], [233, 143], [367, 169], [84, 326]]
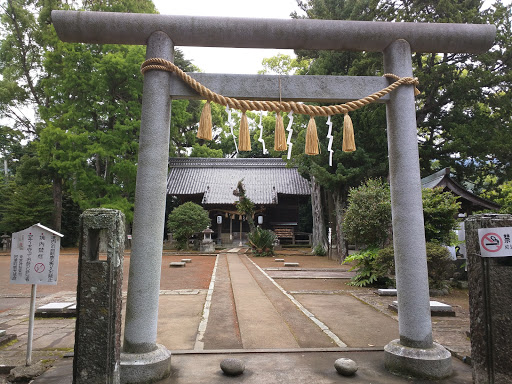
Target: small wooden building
[[276, 191], [469, 201]]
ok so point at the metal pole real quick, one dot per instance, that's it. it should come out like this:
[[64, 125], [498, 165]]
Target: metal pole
[[31, 324]]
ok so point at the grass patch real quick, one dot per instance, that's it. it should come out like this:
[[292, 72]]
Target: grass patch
[[6, 345]]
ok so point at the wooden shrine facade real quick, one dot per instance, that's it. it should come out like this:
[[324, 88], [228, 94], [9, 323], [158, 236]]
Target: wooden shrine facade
[[276, 191]]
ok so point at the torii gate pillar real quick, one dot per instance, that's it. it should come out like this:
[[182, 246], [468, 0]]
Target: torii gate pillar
[[143, 360], [414, 353]]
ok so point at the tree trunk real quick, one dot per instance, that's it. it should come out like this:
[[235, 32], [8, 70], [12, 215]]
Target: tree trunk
[[57, 204], [319, 235], [339, 210]]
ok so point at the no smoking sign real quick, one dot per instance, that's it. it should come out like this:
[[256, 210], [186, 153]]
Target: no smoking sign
[[495, 242]]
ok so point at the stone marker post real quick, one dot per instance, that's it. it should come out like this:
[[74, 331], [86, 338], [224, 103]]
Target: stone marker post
[[490, 297], [99, 300]]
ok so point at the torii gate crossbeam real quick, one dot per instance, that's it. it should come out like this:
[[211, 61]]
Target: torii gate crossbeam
[[414, 353]]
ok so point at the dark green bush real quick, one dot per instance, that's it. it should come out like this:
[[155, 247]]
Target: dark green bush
[[440, 215], [262, 242], [186, 220], [319, 251], [439, 263], [369, 270], [368, 216]]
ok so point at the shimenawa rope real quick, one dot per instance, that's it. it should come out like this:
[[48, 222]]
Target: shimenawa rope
[[204, 131]]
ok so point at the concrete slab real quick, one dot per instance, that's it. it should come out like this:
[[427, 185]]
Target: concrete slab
[[354, 322], [308, 274], [178, 320], [177, 264], [300, 367], [222, 331], [436, 308], [65, 309], [291, 264], [186, 260], [279, 260], [387, 292], [53, 307], [260, 324], [307, 330]]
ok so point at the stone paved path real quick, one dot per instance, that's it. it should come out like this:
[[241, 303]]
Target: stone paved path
[[248, 311]]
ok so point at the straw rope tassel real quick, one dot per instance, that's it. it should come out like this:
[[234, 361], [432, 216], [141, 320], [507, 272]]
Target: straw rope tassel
[[244, 138], [311, 138], [279, 135], [205, 123], [349, 144]]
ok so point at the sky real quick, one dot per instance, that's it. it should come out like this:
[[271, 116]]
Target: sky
[[229, 60]]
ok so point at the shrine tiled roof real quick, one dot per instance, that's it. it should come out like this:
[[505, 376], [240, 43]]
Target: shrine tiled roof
[[215, 179]]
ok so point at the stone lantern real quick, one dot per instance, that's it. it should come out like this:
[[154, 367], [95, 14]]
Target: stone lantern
[[207, 244], [6, 242]]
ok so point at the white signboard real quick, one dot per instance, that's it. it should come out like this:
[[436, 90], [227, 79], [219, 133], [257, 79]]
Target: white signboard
[[35, 256], [495, 242]]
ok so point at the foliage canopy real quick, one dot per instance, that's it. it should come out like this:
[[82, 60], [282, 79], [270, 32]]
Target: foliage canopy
[[187, 219]]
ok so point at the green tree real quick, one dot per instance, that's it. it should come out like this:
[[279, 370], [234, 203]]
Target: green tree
[[440, 215], [204, 151], [370, 159], [187, 219], [368, 217], [245, 205], [282, 64], [464, 111]]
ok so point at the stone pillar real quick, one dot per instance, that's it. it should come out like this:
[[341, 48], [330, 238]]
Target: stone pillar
[[143, 360], [99, 297], [490, 302], [414, 353]]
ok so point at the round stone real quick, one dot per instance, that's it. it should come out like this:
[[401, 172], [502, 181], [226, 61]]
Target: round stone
[[232, 367], [345, 367]]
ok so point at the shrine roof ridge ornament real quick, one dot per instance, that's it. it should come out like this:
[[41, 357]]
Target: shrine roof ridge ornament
[[135, 29]]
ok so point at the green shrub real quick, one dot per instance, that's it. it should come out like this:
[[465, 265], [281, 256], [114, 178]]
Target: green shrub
[[439, 263], [440, 215], [368, 216], [262, 242], [185, 220], [369, 271], [319, 251]]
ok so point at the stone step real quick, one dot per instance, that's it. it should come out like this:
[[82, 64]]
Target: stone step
[[291, 264], [387, 292], [436, 308], [177, 264], [64, 309]]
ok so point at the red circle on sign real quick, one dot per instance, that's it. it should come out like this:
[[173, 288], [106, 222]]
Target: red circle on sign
[[491, 242], [39, 267]]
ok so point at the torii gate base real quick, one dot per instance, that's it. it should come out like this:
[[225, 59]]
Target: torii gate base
[[415, 353]]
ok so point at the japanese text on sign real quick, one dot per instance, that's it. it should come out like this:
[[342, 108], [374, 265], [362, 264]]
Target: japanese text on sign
[[35, 256], [495, 242]]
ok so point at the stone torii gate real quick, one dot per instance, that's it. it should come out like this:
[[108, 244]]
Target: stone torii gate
[[414, 353]]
